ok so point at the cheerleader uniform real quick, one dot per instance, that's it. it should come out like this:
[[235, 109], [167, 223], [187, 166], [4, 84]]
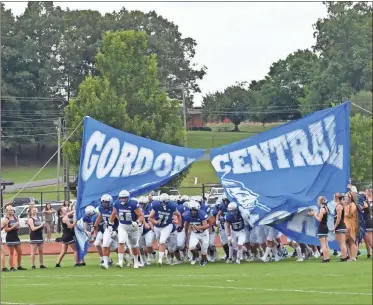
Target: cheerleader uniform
[[36, 237], [11, 237], [68, 235], [323, 225], [368, 219], [341, 228]]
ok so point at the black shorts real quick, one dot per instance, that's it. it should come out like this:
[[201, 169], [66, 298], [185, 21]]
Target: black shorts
[[322, 231], [368, 225], [341, 228]]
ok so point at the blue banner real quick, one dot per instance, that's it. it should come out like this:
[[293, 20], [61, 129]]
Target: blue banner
[[112, 160], [276, 176]]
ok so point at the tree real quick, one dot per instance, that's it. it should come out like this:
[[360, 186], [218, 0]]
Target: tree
[[344, 46], [361, 147], [235, 103], [126, 94]]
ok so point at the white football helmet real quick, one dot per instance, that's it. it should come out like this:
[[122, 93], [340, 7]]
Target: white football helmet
[[164, 198], [90, 210], [106, 200], [124, 194], [185, 198], [194, 205], [232, 208]]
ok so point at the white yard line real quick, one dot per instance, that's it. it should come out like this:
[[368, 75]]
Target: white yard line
[[210, 287]]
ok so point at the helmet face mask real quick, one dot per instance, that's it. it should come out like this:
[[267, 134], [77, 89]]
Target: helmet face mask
[[194, 208], [233, 208], [164, 199], [90, 210], [106, 201], [124, 196]]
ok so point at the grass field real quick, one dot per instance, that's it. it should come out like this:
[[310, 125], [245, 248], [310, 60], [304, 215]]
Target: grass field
[[285, 282], [49, 193], [24, 174]]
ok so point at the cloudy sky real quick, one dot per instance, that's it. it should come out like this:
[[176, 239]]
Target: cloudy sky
[[236, 41]]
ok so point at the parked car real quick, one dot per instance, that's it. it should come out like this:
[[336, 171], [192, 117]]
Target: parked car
[[23, 201], [173, 192], [212, 200]]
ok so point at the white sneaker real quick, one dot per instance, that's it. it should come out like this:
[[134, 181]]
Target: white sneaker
[[136, 265], [263, 259], [193, 262], [300, 259], [168, 261], [159, 263], [238, 261], [140, 264], [105, 266], [119, 265], [277, 258], [148, 262], [251, 259]]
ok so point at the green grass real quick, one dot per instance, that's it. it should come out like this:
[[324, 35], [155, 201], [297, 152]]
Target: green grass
[[24, 174], [214, 138], [204, 172], [285, 282], [49, 193]]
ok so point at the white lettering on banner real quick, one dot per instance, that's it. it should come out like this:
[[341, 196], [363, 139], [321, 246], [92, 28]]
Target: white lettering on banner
[[260, 156], [303, 147], [124, 164], [163, 165], [129, 160], [90, 159], [105, 165], [301, 220], [144, 161], [336, 153], [278, 145]]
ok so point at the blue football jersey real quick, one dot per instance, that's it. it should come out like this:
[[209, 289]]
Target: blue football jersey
[[236, 221], [196, 220], [182, 210], [164, 213], [106, 217], [146, 211], [126, 211], [207, 209]]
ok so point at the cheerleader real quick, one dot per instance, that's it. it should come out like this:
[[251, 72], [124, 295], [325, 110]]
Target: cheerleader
[[68, 238], [323, 230], [36, 237], [12, 239], [367, 210], [2, 248], [340, 226]]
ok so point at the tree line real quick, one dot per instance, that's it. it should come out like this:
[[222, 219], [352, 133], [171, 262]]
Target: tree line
[[337, 68]]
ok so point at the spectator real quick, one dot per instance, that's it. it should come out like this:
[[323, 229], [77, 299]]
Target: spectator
[[36, 237], [367, 209], [68, 237], [12, 239], [4, 222], [48, 213]]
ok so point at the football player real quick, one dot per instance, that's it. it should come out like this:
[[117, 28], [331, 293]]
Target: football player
[[197, 221], [130, 222], [161, 218]]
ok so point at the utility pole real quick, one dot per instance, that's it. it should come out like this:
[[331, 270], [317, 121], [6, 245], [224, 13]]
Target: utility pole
[[66, 172], [59, 124], [185, 118]]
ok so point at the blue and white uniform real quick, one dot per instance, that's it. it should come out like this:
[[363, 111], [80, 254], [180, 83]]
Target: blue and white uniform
[[163, 214], [238, 230], [180, 230], [105, 235], [127, 232], [223, 235], [212, 235], [197, 236], [147, 237]]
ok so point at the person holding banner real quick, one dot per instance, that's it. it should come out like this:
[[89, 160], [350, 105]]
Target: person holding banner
[[340, 226], [2, 248], [68, 238], [130, 227], [322, 233]]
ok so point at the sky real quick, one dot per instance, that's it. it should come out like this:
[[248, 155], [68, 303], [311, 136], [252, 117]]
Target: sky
[[236, 41]]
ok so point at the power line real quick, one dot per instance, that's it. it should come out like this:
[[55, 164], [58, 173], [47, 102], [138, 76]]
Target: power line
[[29, 135]]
